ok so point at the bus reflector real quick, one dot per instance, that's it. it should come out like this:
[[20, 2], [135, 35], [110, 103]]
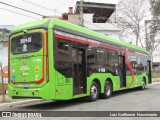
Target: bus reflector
[[58, 91], [36, 90]]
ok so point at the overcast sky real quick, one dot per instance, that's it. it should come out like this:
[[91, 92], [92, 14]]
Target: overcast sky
[[61, 6]]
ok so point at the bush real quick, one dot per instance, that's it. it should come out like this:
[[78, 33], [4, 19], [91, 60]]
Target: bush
[[155, 74]]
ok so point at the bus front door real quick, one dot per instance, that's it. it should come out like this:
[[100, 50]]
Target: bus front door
[[79, 71], [122, 73], [149, 72]]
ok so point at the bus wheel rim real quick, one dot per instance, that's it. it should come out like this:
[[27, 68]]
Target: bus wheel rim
[[143, 84], [93, 91], [108, 90]]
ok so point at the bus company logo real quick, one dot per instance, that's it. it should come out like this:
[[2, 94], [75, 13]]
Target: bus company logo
[[6, 114], [13, 70], [36, 68], [14, 78], [24, 47], [84, 39]]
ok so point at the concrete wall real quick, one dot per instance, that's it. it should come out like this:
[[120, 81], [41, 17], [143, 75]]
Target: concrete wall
[[104, 28]]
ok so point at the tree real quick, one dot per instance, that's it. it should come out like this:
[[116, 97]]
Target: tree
[[155, 8], [140, 22], [130, 16], [153, 26], [4, 33], [152, 36]]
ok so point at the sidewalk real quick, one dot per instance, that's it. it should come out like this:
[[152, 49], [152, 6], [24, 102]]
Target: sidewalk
[[155, 79], [8, 99], [12, 102]]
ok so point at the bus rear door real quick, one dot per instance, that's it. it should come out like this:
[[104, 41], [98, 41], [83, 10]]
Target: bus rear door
[[122, 71]]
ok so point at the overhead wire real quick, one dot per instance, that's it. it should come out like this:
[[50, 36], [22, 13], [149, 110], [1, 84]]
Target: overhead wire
[[65, 2], [40, 6], [53, 10], [38, 13], [21, 9], [18, 13]]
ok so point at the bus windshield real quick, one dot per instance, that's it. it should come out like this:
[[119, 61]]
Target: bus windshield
[[27, 43]]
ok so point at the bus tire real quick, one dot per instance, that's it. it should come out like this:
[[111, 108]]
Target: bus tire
[[94, 92], [107, 90], [143, 85]]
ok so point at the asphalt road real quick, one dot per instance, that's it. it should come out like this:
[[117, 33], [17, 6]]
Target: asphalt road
[[130, 100]]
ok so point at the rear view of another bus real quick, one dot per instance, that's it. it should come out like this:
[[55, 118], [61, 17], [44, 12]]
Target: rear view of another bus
[[28, 62]]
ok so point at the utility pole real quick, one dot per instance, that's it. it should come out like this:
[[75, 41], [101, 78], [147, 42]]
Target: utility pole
[[3, 91], [81, 13], [146, 35]]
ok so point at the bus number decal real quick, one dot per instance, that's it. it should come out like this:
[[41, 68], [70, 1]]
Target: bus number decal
[[26, 40], [102, 70]]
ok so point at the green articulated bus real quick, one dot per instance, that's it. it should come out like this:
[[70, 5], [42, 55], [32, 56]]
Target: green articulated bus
[[55, 60]]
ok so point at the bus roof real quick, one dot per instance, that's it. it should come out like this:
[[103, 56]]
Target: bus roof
[[50, 22]]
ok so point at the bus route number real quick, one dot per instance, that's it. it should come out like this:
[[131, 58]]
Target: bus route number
[[102, 70]]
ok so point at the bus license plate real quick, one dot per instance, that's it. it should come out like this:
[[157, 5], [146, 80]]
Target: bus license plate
[[25, 85]]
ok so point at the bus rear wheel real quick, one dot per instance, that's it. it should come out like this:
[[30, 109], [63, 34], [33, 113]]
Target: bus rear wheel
[[107, 90], [94, 92], [143, 85]]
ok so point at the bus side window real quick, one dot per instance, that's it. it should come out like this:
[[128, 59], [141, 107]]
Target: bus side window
[[113, 61], [144, 64], [133, 61], [90, 60], [140, 65], [62, 54], [63, 45], [101, 56]]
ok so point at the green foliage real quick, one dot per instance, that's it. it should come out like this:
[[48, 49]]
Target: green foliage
[[2, 35], [155, 74]]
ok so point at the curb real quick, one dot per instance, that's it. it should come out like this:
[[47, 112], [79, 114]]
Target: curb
[[155, 79], [19, 102], [155, 83]]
